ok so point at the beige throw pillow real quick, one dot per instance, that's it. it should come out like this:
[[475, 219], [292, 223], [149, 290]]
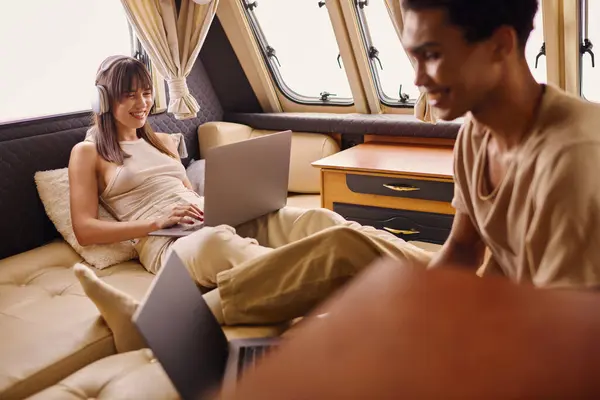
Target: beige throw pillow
[[53, 189]]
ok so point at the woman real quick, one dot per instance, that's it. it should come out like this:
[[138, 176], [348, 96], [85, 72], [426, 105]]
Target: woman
[[269, 270]]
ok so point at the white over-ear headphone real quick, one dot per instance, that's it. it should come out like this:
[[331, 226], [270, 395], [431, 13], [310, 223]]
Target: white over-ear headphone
[[100, 100]]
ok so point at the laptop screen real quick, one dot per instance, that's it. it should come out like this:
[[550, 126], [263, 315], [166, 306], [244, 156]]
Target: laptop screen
[[182, 332]]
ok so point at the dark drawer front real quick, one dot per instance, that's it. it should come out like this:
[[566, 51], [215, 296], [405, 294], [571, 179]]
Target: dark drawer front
[[400, 187], [407, 225]]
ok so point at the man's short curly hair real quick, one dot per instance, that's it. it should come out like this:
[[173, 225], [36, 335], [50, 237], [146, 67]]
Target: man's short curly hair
[[479, 19]]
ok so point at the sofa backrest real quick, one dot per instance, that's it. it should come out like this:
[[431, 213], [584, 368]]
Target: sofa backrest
[[306, 148]]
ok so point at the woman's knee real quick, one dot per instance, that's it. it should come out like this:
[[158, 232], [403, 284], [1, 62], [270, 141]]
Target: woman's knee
[[314, 220], [323, 216], [205, 253]]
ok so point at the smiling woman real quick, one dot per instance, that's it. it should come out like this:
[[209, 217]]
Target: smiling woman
[[48, 70]]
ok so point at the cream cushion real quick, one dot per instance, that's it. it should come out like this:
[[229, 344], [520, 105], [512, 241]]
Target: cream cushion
[[53, 189], [48, 327], [306, 148], [132, 375]]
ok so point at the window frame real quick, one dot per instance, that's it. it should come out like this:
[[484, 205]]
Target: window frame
[[273, 69], [363, 26], [582, 35], [358, 66]]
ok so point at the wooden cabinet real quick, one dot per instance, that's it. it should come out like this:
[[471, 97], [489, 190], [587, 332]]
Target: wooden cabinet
[[404, 189]]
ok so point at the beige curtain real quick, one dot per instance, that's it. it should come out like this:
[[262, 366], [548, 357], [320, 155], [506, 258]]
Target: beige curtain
[[173, 42], [423, 111]]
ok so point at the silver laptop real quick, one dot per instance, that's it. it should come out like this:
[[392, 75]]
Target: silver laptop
[[243, 181], [187, 340]]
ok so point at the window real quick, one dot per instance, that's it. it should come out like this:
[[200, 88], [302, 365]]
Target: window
[[299, 44], [535, 51], [590, 33], [51, 51], [392, 70]]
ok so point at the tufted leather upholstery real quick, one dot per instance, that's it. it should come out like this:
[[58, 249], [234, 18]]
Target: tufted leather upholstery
[[48, 327], [132, 375], [358, 124], [306, 148]]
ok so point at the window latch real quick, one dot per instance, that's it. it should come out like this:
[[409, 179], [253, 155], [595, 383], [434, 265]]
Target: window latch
[[586, 47], [374, 54], [321, 3], [325, 96], [251, 6], [271, 53], [402, 97], [362, 3], [541, 53], [339, 60]]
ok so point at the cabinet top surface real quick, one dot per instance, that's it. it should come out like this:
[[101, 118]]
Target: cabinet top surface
[[429, 161]]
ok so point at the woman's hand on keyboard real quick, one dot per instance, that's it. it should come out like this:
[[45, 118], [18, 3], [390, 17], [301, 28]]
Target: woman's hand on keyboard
[[181, 214]]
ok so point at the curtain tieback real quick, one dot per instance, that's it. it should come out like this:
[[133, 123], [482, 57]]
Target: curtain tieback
[[177, 88]]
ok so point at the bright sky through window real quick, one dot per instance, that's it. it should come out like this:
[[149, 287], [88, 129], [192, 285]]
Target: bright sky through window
[[397, 68], [304, 41], [51, 51]]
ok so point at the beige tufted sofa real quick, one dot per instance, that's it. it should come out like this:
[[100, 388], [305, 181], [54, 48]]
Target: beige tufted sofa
[[53, 345]]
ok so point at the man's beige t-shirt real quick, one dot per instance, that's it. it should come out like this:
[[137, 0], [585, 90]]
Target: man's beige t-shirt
[[542, 222]]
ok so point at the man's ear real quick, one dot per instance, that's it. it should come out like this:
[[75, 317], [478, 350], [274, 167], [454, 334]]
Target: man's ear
[[505, 42]]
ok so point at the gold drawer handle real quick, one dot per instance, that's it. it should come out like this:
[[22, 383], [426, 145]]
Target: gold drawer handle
[[401, 188], [401, 231]]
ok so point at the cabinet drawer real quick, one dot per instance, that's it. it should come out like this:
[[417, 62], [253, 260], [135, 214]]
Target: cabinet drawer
[[407, 225], [401, 187]]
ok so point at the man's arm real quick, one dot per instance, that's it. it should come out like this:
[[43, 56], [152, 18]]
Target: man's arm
[[464, 247]]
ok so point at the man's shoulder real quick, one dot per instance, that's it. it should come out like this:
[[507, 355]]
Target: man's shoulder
[[568, 127], [569, 119]]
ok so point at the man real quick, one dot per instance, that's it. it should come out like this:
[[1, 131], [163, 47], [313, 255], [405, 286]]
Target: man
[[527, 155]]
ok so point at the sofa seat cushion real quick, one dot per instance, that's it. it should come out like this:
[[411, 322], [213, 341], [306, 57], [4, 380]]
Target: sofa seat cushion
[[48, 327], [304, 200], [133, 375]]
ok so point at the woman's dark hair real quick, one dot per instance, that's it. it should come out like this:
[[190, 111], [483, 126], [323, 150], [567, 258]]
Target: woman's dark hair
[[479, 19], [124, 76]]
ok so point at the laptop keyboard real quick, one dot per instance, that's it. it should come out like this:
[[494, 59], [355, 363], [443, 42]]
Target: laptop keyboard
[[250, 355]]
